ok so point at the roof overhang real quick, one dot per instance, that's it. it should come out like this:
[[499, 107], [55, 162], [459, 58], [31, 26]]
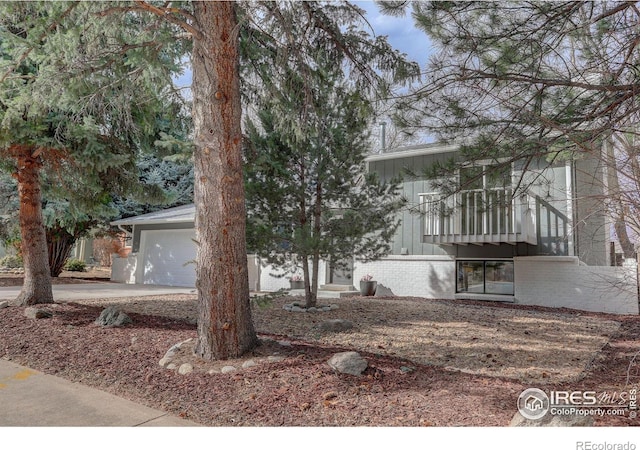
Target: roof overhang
[[179, 214], [417, 150]]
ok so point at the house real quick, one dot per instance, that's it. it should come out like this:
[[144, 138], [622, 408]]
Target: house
[[547, 246]]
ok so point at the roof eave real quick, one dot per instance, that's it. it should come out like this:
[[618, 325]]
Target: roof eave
[[149, 222], [409, 153]]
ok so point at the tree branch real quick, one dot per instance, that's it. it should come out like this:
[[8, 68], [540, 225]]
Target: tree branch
[[168, 14], [549, 81], [163, 12], [613, 11]]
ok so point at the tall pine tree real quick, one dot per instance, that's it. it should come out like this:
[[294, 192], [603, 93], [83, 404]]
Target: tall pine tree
[[81, 92], [309, 197]]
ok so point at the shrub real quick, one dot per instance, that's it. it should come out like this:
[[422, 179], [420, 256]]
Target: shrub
[[75, 265], [11, 262]]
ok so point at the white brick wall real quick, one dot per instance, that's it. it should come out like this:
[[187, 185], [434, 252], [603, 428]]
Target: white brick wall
[[417, 276], [562, 282], [271, 282]]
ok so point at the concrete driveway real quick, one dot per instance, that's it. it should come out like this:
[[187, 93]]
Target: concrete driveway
[[100, 290]]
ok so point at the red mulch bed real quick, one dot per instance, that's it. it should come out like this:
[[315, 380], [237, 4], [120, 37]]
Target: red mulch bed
[[300, 390]]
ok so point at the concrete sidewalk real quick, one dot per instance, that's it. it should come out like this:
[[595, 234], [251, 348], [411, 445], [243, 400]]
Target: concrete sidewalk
[[100, 290], [29, 398]]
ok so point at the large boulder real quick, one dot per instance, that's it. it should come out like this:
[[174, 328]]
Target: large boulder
[[383, 291], [170, 355], [112, 317], [185, 369], [348, 362]]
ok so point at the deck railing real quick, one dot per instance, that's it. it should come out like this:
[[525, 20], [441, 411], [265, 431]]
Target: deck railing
[[492, 216]]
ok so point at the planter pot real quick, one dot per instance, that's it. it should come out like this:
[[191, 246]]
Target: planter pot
[[368, 288], [297, 284]]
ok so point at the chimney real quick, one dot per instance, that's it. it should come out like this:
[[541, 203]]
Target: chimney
[[383, 137]]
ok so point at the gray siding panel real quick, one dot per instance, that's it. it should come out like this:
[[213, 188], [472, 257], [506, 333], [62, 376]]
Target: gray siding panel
[[409, 234], [548, 181]]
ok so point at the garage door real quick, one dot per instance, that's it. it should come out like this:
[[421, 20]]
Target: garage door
[[168, 257]]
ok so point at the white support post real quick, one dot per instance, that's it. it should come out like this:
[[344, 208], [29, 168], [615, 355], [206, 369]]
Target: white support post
[[569, 183]]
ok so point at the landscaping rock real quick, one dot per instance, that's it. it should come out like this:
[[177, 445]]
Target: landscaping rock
[[169, 355], [348, 362], [112, 317], [33, 312], [336, 325], [275, 358], [551, 420], [164, 362], [299, 307], [228, 369], [185, 369], [383, 291], [249, 363], [4, 304]]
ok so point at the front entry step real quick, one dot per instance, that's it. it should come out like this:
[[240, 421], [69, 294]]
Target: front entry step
[[336, 294], [337, 287], [333, 290], [330, 291]]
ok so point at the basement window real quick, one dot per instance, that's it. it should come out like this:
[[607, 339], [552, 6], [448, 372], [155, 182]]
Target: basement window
[[485, 277]]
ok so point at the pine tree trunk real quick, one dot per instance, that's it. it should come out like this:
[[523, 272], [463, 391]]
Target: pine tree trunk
[[309, 293], [59, 245], [36, 287], [225, 328], [312, 299]]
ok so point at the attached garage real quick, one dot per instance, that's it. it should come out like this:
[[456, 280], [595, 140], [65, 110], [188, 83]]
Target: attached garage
[[168, 257], [163, 250]]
